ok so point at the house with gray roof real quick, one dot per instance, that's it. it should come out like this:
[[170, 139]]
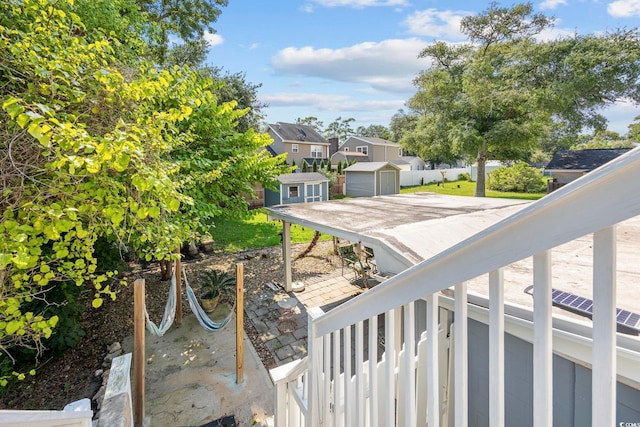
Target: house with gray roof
[[301, 143], [569, 165], [376, 149]]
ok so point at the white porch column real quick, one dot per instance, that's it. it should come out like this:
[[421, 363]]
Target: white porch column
[[286, 254], [542, 341]]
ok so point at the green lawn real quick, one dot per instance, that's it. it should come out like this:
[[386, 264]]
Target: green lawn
[[255, 232], [467, 188]]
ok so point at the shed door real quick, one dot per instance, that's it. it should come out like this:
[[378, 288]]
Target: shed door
[[388, 182], [313, 193]]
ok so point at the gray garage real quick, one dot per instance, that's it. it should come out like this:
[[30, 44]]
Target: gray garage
[[365, 179]]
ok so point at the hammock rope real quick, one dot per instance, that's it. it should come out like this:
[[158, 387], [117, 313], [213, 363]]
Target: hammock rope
[[202, 316], [169, 310]]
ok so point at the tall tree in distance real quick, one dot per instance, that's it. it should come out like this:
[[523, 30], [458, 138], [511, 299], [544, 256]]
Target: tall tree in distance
[[375, 131], [312, 122], [340, 128], [500, 95], [634, 130], [187, 19]]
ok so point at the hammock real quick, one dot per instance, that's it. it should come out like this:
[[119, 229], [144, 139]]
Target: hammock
[[169, 310], [202, 316]]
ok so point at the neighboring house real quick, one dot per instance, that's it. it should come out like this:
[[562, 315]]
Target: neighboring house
[[298, 188], [376, 149], [569, 165], [402, 164], [348, 157], [365, 179], [301, 143], [415, 163]]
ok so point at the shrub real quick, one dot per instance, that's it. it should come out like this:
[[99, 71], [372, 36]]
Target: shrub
[[519, 178], [466, 176]]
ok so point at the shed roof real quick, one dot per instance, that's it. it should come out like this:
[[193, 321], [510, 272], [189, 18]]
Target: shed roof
[[295, 178], [370, 166], [297, 133], [584, 160]]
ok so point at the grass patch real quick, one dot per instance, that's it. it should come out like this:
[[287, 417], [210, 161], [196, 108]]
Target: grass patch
[[255, 232], [467, 188]]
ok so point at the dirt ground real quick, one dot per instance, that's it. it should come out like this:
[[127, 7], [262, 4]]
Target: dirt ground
[[73, 375]]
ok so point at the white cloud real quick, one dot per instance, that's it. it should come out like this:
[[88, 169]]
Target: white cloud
[[358, 4], [213, 39], [327, 102], [437, 23], [552, 4], [624, 8], [389, 65]]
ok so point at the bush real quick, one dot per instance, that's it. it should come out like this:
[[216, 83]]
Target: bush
[[519, 178], [466, 176]]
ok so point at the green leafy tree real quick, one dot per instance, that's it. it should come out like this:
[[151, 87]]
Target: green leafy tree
[[501, 94], [305, 168], [634, 130], [340, 128], [187, 19], [329, 166], [91, 148], [401, 123], [314, 166], [339, 169], [312, 122], [602, 139], [376, 131]]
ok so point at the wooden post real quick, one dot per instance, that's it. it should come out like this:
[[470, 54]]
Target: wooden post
[[138, 352], [239, 323], [178, 288]]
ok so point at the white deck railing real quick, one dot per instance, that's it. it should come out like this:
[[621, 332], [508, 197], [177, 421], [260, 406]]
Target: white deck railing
[[405, 385]]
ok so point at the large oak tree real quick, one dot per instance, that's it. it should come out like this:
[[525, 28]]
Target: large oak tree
[[498, 95]]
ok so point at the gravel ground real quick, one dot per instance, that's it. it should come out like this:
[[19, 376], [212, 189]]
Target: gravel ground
[[72, 376]]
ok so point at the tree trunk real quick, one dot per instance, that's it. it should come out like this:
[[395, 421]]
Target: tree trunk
[[480, 181], [309, 248], [165, 270]]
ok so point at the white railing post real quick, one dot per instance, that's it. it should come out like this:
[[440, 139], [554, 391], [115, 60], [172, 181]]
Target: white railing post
[[360, 399], [496, 348], [542, 341], [433, 387], [390, 365], [314, 375], [461, 361], [603, 381], [373, 371]]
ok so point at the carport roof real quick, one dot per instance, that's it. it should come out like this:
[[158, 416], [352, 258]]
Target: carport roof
[[416, 225]]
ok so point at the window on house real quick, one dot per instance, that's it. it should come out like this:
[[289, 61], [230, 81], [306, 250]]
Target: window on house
[[400, 152], [363, 149], [293, 191], [294, 148], [316, 151], [345, 149]]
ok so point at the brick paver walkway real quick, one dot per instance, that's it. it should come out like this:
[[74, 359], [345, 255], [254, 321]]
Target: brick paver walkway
[[286, 342]]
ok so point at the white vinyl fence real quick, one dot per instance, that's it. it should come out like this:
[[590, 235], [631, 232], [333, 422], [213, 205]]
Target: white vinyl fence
[[410, 178]]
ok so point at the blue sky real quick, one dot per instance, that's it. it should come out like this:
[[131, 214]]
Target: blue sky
[[357, 58]]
